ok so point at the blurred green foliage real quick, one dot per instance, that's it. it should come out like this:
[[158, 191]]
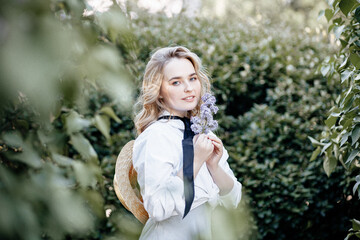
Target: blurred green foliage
[[339, 142], [67, 86], [291, 12], [53, 63]]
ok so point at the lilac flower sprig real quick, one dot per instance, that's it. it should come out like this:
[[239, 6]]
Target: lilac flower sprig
[[205, 122]]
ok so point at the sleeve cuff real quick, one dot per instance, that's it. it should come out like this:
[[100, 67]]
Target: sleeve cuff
[[178, 185], [232, 198], [168, 201]]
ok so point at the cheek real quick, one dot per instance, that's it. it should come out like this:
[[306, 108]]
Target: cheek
[[163, 91], [166, 93], [198, 87]]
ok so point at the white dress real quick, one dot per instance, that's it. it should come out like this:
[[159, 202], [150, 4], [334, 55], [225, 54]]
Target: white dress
[[157, 158]]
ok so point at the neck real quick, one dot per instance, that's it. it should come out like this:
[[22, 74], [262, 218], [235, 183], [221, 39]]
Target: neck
[[171, 113]]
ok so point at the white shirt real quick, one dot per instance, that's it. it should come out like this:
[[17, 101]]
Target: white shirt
[[157, 158]]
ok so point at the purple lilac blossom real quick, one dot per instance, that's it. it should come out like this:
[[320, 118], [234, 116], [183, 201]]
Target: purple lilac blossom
[[205, 122]]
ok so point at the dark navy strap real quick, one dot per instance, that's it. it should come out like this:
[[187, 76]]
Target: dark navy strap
[[168, 117], [188, 162]]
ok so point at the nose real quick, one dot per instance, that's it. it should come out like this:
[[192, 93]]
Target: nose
[[188, 86]]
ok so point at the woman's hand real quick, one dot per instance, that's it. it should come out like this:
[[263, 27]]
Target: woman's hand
[[214, 158], [223, 180], [203, 149]]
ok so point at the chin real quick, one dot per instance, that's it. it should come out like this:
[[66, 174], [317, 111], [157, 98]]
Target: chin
[[190, 109]]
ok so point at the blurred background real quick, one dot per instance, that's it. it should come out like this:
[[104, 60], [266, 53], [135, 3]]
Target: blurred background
[[70, 72]]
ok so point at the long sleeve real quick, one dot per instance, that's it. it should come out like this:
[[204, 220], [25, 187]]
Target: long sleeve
[[231, 199], [156, 159]]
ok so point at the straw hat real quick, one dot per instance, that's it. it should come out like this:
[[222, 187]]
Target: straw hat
[[125, 184]]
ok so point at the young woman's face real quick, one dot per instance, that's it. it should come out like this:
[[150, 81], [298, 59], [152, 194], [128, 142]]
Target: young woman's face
[[181, 87]]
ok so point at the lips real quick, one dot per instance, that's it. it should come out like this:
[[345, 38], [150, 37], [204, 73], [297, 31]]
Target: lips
[[189, 98]]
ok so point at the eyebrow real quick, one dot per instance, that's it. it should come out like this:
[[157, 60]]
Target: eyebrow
[[180, 77]]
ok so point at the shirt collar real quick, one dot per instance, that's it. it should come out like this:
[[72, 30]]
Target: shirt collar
[[177, 123]]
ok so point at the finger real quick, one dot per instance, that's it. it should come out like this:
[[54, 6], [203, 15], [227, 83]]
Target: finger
[[209, 148], [215, 139], [202, 141], [203, 138], [196, 137], [209, 145], [205, 141], [217, 147], [216, 144]]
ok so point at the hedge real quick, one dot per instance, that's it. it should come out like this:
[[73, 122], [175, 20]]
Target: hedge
[[270, 97]]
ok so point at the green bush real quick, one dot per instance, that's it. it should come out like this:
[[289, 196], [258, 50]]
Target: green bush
[[51, 173], [270, 100], [339, 143]]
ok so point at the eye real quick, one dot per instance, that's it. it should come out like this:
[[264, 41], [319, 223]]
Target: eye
[[193, 79], [175, 83]]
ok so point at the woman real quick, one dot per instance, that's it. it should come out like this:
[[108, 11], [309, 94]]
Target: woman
[[173, 85]]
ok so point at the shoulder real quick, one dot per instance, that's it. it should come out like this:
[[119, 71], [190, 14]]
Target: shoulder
[[158, 141], [157, 132], [156, 129]]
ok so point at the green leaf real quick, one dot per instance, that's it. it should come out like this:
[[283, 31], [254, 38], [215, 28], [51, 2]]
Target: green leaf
[[348, 102], [343, 64], [74, 122], [102, 123], [28, 154], [344, 138], [70, 210], [325, 69], [13, 139], [355, 224], [345, 75], [355, 134], [329, 164], [343, 44], [110, 112], [337, 21], [329, 13], [326, 146], [356, 186], [335, 114], [347, 5], [336, 151], [321, 14], [334, 3], [357, 178], [330, 121], [315, 154], [355, 59], [315, 142], [357, 77], [83, 146], [338, 30], [347, 123], [357, 14], [333, 137], [85, 174], [62, 160], [352, 155]]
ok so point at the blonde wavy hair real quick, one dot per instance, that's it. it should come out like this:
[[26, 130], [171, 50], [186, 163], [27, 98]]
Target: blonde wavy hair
[[149, 102]]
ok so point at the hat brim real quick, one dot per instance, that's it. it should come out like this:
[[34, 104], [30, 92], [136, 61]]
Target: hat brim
[[125, 184]]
